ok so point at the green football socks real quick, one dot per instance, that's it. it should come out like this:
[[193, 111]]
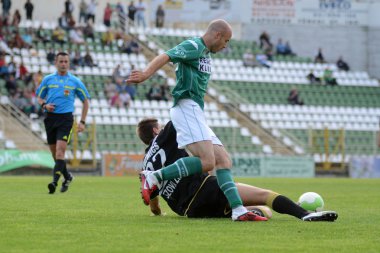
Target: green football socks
[[227, 185], [181, 168]]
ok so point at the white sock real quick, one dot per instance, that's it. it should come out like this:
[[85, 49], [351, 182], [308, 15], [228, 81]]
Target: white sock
[[237, 211], [152, 179]]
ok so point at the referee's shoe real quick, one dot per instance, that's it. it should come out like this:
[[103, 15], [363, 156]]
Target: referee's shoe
[[66, 183], [51, 187]]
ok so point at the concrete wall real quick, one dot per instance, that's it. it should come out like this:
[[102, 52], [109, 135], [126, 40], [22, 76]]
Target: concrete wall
[[374, 52]]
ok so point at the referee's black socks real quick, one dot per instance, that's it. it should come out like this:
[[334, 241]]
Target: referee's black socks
[[59, 168]]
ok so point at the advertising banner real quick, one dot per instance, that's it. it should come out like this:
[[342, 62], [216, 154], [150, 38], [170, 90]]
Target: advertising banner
[[364, 167], [13, 159], [121, 164], [197, 10], [282, 166]]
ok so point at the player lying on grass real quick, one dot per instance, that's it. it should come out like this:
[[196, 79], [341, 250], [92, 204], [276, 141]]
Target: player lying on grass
[[199, 196]]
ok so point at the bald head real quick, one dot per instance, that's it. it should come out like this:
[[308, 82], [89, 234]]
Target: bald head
[[219, 25], [217, 35]]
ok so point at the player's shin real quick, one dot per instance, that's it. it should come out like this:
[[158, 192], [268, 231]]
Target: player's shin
[[181, 168], [282, 204], [227, 185], [58, 170]]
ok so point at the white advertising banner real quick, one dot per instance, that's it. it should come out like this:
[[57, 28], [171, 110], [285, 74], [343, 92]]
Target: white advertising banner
[[332, 12], [198, 10], [320, 12]]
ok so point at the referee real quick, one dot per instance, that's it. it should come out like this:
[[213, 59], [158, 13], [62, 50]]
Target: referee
[[56, 95]]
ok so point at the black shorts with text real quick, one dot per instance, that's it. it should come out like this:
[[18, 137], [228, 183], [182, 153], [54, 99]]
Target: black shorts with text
[[200, 197], [58, 127]]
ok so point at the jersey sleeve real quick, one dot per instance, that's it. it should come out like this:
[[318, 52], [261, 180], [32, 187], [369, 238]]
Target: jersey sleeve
[[186, 50], [42, 89], [81, 91]]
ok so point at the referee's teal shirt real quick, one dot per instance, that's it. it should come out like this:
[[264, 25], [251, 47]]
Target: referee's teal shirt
[[61, 91]]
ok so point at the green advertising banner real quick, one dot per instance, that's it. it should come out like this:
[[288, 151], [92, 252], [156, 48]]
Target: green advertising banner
[[277, 166], [13, 159]]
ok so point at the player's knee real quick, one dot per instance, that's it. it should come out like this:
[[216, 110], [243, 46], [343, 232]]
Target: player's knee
[[224, 163], [208, 164]]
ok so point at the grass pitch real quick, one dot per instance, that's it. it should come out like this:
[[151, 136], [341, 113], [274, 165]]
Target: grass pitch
[[107, 215]]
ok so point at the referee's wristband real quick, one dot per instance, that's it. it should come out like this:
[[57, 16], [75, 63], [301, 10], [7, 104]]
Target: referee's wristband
[[42, 105], [83, 122]]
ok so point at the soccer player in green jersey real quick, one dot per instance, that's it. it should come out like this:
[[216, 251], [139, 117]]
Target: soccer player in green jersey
[[194, 64]]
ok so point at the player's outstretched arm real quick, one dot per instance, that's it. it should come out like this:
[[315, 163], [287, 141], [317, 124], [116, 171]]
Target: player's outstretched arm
[[155, 206], [140, 76]]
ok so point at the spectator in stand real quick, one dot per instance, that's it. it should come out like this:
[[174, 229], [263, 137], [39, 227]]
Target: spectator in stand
[[88, 60], [131, 13], [131, 90], [3, 66], [41, 35], [130, 46], [160, 16], [288, 49], [140, 13], [50, 56], [69, 8], [76, 36], [23, 74], [165, 92], [312, 78], [91, 11], [110, 89], [249, 59], [17, 41], [280, 47], [121, 16], [59, 35], [3, 45], [71, 21], [154, 93], [29, 10], [108, 37], [107, 15], [77, 60], [342, 65], [319, 58], [6, 7], [28, 38], [125, 98], [294, 98], [37, 79], [16, 18], [116, 75], [82, 11], [328, 78], [264, 40], [88, 31], [12, 67], [63, 21], [11, 85], [263, 60]]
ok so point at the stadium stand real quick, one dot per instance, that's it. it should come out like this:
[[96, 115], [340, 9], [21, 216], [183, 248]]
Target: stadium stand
[[259, 92]]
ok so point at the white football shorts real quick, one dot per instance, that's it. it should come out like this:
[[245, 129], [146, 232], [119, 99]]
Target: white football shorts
[[189, 121]]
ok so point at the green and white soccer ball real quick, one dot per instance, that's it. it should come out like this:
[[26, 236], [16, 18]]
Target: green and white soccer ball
[[311, 201]]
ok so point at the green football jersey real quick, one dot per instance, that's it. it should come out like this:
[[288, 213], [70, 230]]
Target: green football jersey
[[193, 70]]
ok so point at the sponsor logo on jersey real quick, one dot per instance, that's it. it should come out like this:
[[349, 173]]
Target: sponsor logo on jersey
[[205, 65]]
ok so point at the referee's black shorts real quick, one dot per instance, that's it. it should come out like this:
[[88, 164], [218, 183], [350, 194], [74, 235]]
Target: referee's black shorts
[[200, 197], [58, 127]]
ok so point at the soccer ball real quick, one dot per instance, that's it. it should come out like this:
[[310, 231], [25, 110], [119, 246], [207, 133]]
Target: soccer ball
[[311, 201]]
